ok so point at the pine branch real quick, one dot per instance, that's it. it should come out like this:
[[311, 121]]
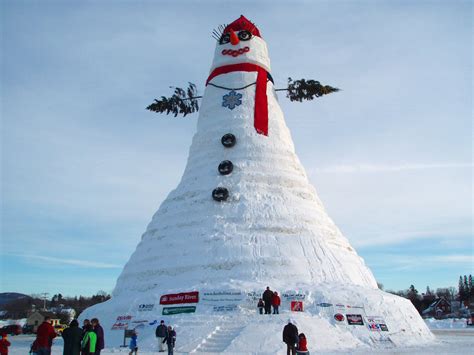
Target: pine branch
[[300, 90], [182, 102]]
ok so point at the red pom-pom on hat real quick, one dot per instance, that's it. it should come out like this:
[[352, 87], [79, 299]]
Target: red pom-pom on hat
[[242, 23]]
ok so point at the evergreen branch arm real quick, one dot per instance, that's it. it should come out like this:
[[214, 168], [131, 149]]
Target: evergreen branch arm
[[181, 102], [302, 89]]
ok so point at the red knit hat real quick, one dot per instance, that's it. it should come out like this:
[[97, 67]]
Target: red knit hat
[[242, 23]]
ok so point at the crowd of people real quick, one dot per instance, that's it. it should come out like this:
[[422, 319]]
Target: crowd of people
[[295, 343], [269, 299], [88, 340], [165, 335]]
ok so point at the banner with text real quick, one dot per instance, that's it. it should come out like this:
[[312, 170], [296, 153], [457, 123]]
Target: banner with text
[[168, 311], [184, 297]]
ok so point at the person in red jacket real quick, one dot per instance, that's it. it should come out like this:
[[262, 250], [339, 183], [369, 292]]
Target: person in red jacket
[[4, 344], [302, 347], [276, 303], [44, 337]]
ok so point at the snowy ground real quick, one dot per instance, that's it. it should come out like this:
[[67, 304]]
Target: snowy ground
[[449, 341]]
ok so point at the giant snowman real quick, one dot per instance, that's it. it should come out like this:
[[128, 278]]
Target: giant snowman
[[244, 217]]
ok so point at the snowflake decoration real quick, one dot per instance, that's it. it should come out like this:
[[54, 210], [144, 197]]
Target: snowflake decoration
[[231, 100]]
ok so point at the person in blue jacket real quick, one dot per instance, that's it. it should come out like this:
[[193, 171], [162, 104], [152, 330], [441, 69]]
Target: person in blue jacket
[[133, 344]]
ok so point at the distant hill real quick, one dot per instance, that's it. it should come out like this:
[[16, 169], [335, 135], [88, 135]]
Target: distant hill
[[7, 297]]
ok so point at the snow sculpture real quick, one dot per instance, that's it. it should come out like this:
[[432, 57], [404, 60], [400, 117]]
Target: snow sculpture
[[244, 215], [272, 225]]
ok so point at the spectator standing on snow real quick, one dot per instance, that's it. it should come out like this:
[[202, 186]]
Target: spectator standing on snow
[[267, 298], [100, 335], [161, 333], [302, 348], [290, 337], [85, 323], [44, 337], [89, 341], [170, 340], [133, 344], [260, 305], [72, 339], [276, 303], [4, 344]]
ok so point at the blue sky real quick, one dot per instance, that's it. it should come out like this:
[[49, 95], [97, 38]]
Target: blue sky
[[85, 166]]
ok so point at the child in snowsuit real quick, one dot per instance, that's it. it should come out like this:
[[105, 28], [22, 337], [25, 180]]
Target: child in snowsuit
[[4, 344], [170, 340], [260, 305], [276, 303], [133, 344], [302, 345]]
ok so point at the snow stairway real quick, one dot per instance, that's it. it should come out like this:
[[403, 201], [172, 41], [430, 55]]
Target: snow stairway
[[219, 339]]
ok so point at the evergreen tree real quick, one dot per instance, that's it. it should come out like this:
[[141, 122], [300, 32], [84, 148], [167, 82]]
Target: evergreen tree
[[471, 290], [460, 290]]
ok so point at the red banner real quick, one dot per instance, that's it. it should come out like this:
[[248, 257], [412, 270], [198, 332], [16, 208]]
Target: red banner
[[185, 297], [296, 306]]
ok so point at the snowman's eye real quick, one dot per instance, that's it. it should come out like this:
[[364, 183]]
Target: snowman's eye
[[225, 38], [244, 35]]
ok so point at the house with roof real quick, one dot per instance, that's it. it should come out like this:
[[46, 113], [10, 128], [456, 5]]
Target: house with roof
[[438, 308], [37, 317]]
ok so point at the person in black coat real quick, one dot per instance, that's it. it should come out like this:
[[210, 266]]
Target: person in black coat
[[290, 337], [161, 333], [100, 335], [72, 339], [267, 298]]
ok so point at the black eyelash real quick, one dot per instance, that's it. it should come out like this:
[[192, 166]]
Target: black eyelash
[[217, 32]]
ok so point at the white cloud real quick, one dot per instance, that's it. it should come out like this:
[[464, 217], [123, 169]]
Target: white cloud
[[383, 168], [405, 262], [74, 262]]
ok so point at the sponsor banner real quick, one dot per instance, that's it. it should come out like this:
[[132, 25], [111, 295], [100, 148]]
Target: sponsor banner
[[323, 304], [121, 322], [376, 324], [339, 317], [296, 306], [226, 308], [176, 298], [352, 307], [139, 321], [119, 325], [254, 296], [167, 311], [251, 299], [226, 296], [293, 296], [146, 307], [354, 319]]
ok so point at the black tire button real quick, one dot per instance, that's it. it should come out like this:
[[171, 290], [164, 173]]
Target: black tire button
[[220, 194], [226, 167], [228, 140]]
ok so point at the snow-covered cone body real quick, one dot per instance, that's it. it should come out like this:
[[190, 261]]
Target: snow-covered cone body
[[270, 230]]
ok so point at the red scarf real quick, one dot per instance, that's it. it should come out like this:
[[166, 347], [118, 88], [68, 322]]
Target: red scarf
[[261, 103]]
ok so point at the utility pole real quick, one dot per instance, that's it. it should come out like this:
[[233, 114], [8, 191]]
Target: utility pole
[[44, 296]]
